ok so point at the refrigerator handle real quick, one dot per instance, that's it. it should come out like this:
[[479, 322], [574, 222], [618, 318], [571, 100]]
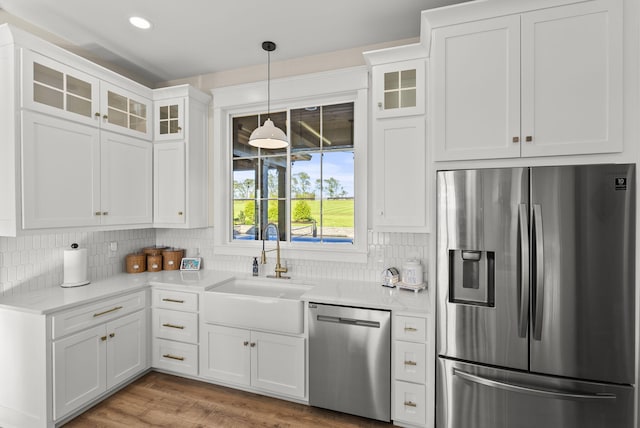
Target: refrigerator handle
[[523, 283], [538, 261], [531, 391]]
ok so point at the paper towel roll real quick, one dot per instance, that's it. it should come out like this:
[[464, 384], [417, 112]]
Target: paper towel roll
[[75, 267]]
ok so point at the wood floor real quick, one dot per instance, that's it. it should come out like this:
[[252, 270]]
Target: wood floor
[[161, 400]]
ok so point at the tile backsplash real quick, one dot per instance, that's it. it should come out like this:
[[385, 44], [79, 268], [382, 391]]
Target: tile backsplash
[[34, 261]]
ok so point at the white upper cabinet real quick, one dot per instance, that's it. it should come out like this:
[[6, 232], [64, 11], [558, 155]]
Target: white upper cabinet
[[59, 90], [398, 88], [181, 153], [125, 112], [54, 88], [540, 83], [399, 165], [169, 119]]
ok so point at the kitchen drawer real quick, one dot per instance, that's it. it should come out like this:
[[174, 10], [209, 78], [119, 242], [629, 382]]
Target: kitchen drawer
[[175, 325], [410, 403], [175, 356], [413, 329], [92, 314], [410, 362], [177, 300]]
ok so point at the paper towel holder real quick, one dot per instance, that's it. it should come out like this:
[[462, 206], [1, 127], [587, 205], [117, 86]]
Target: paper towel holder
[[75, 267]]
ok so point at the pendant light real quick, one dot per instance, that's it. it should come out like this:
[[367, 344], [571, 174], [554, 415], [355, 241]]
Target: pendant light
[[268, 136]]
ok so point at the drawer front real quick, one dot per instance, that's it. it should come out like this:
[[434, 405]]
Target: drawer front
[[86, 316], [175, 325], [410, 403], [409, 361], [176, 300], [176, 357], [413, 329]]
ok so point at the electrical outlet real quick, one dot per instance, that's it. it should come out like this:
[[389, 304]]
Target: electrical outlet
[[113, 249]]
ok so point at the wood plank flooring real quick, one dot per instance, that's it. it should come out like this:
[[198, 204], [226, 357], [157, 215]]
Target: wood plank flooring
[[162, 400]]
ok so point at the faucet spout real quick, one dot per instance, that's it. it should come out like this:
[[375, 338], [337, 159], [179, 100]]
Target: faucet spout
[[279, 269]]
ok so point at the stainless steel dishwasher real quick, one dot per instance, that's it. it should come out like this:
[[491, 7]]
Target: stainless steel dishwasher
[[350, 360]]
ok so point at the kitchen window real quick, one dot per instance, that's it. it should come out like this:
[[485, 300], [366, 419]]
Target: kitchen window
[[315, 190], [306, 189]]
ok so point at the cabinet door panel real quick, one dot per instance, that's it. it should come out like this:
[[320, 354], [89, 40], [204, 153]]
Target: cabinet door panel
[[57, 89], [572, 79], [169, 119], [169, 183], [476, 90], [79, 370], [126, 347], [126, 185], [277, 363], [225, 354], [60, 172], [125, 112], [400, 175]]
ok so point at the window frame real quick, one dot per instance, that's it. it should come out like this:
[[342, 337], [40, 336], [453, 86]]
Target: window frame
[[334, 87]]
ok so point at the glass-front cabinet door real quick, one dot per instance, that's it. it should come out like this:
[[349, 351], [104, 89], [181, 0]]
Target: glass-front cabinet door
[[54, 88], [124, 111], [399, 88], [169, 119]]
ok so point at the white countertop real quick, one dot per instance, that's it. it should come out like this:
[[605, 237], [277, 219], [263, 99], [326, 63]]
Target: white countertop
[[337, 292]]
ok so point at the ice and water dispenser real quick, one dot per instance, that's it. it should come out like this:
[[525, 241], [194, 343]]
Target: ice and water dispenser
[[471, 277]]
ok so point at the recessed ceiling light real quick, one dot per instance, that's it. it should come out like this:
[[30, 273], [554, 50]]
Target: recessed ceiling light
[[139, 22]]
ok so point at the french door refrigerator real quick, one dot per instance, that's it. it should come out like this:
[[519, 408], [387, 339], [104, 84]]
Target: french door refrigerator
[[536, 297]]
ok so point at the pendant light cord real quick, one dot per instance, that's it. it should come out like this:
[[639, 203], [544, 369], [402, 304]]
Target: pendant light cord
[[268, 84]]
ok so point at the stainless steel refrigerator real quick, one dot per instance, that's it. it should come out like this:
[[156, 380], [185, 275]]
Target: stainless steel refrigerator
[[536, 297]]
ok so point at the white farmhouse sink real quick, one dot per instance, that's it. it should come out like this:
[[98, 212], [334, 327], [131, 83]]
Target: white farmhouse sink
[[261, 304]]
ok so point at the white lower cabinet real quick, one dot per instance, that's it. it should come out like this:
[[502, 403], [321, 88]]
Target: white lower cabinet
[[90, 362], [411, 371], [270, 362]]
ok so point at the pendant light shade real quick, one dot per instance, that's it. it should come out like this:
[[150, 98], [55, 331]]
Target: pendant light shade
[[268, 136]]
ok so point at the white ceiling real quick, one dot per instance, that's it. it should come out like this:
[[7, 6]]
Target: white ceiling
[[193, 37]]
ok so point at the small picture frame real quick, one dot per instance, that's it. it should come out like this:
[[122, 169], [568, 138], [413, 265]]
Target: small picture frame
[[190, 263]]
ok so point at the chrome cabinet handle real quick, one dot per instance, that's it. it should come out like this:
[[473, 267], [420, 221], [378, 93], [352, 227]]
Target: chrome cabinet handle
[[526, 390], [539, 283], [523, 268], [180, 327], [173, 300], [173, 357], [117, 308]]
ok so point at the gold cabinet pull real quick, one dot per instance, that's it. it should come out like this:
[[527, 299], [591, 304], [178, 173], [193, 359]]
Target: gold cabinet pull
[[516, 139], [245, 343], [105, 213], [410, 329], [173, 357], [528, 138], [117, 308], [105, 117], [96, 114], [410, 404], [98, 213], [173, 300], [253, 344], [103, 338], [179, 128], [180, 212], [112, 335], [180, 327], [410, 363]]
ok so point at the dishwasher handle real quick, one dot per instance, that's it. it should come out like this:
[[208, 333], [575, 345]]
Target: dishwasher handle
[[348, 321]]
